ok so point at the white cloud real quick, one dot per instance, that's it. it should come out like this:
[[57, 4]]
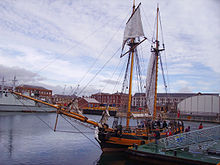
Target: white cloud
[[59, 40]]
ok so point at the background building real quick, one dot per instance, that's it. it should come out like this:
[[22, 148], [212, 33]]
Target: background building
[[139, 100], [119, 100], [6, 88], [62, 99], [169, 100], [88, 103], [200, 105], [36, 91]]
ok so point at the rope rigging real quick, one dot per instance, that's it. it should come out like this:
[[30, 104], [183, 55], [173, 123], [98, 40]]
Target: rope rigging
[[138, 71], [162, 69], [80, 132], [149, 25], [164, 80], [77, 44], [83, 133], [126, 73], [119, 62], [118, 79], [99, 71], [34, 113], [102, 52]]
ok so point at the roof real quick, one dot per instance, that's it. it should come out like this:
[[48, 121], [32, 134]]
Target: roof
[[64, 96], [176, 94], [32, 86], [91, 100], [101, 94], [6, 87], [184, 94], [139, 94]]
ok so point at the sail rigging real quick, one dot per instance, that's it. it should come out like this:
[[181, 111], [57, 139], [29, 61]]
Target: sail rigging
[[132, 32], [152, 73], [133, 27], [150, 83]]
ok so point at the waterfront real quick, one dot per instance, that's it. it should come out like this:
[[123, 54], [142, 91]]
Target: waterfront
[[26, 139]]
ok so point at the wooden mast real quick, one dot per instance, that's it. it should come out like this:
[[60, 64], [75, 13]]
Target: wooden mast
[[130, 81], [157, 53]]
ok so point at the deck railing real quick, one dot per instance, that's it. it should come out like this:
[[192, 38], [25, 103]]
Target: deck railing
[[183, 140]]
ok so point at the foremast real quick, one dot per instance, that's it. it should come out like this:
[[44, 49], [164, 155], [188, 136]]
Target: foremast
[[132, 31], [131, 76]]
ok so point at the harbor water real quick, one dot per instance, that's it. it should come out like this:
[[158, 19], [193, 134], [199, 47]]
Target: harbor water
[[28, 138]]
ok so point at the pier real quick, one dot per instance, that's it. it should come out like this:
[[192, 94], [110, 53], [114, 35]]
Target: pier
[[176, 149]]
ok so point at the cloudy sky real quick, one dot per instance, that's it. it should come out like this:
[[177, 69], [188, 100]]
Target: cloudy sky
[[64, 44]]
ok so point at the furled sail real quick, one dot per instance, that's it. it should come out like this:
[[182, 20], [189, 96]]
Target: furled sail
[[150, 83], [133, 27]]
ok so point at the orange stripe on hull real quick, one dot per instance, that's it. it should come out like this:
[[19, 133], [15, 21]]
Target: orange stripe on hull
[[127, 142]]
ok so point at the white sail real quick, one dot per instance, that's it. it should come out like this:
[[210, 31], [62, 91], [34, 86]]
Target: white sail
[[150, 83], [133, 27]]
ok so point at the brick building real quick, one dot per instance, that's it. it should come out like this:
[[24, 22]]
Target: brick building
[[36, 91], [88, 102], [119, 100]]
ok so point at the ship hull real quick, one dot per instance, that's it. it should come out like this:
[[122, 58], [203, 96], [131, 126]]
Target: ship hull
[[110, 147], [13, 103], [23, 108], [112, 141]]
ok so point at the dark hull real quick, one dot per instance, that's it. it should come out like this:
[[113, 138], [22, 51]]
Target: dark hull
[[158, 158], [109, 147], [97, 112]]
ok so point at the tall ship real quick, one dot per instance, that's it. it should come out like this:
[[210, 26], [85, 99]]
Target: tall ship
[[119, 137]]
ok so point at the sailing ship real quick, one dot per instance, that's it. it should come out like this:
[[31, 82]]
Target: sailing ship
[[118, 137]]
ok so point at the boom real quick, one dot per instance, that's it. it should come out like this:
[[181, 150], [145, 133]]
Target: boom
[[61, 110]]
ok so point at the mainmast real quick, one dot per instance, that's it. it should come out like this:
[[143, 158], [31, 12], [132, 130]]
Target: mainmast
[[131, 75], [157, 54]]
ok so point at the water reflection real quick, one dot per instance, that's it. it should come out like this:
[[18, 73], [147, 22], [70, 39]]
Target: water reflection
[[10, 134], [24, 139], [119, 158], [10, 142]]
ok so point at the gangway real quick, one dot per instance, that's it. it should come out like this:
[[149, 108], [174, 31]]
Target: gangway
[[182, 140]]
